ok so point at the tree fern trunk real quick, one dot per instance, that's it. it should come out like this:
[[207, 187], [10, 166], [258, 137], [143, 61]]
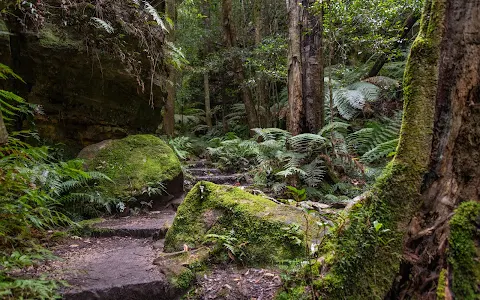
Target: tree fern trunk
[[3, 131]]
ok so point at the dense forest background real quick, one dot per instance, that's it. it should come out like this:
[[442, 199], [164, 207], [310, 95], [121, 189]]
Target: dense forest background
[[347, 104]]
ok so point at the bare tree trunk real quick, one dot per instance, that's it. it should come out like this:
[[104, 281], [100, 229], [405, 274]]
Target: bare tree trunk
[[206, 87], [169, 115], [262, 92], [394, 245], [3, 131], [230, 38], [305, 69], [295, 90], [312, 62]]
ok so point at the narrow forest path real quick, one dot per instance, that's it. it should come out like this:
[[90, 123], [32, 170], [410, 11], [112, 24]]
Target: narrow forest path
[[114, 258]]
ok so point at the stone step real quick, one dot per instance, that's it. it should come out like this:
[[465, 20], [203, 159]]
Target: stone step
[[152, 225], [111, 268], [203, 163], [203, 171], [220, 179]]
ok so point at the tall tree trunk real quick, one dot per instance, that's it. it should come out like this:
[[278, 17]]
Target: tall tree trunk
[[262, 92], [396, 240], [454, 169], [230, 38], [206, 78], [169, 115], [295, 90], [305, 69], [3, 131], [206, 88], [312, 62]]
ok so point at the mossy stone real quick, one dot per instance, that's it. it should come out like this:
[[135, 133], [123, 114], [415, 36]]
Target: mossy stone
[[263, 231], [136, 165]]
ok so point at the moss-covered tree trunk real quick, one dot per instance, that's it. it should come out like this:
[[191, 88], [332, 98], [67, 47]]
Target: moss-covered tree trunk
[[396, 241], [454, 166]]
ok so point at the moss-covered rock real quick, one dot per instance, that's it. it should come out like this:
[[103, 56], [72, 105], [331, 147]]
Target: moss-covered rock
[[137, 165], [241, 225]]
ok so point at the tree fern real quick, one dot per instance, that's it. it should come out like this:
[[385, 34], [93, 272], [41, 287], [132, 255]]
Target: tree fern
[[350, 101]]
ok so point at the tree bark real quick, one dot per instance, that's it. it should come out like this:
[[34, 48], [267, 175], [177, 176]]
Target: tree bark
[[454, 173], [295, 113], [312, 77], [206, 87], [434, 170], [169, 115], [230, 39], [262, 92], [3, 131], [206, 78], [305, 69]]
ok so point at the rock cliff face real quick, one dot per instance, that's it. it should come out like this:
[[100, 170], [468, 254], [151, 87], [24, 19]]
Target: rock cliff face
[[96, 67]]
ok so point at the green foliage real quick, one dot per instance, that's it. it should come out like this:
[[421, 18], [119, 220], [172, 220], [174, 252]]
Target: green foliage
[[463, 251], [182, 146], [228, 242], [37, 194]]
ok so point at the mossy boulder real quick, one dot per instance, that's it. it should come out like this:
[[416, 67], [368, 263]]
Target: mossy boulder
[[239, 225], [138, 165]]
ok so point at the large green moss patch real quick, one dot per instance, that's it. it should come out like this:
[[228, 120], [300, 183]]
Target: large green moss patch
[[136, 164], [464, 251], [251, 228]]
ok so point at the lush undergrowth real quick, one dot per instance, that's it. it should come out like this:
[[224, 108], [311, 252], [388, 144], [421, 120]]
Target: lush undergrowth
[[336, 164], [38, 196]]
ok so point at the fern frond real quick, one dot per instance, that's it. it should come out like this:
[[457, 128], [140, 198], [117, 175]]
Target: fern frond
[[6, 72], [101, 24], [307, 142], [334, 126], [375, 133], [381, 151], [153, 12]]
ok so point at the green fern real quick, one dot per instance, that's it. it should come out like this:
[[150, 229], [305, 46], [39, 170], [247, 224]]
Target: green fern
[[156, 17], [101, 24], [374, 134], [386, 149]]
